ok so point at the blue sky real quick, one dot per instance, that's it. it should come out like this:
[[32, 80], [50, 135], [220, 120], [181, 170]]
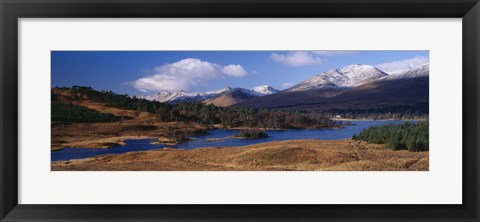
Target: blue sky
[[147, 72]]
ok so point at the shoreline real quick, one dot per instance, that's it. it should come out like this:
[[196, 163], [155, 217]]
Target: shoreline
[[346, 119], [265, 129], [107, 135], [115, 141], [100, 143]]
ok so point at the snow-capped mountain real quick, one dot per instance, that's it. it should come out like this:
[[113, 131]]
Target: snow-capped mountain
[[225, 96], [184, 96], [360, 74], [264, 89], [165, 96], [349, 76], [415, 72]]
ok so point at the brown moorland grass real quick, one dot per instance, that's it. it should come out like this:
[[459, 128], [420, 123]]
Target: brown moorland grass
[[65, 96], [292, 155], [106, 135]]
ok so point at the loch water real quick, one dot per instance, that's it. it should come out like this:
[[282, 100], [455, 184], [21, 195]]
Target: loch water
[[223, 138]]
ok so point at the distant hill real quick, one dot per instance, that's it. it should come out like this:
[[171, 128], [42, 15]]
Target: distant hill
[[232, 97]]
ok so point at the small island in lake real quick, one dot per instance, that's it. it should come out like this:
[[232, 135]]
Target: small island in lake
[[206, 111], [251, 134]]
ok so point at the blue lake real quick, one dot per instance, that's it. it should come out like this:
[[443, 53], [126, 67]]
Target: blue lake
[[225, 141]]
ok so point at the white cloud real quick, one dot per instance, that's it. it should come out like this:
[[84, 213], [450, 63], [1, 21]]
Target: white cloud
[[234, 70], [286, 85], [335, 52], [299, 58], [184, 74], [396, 66]]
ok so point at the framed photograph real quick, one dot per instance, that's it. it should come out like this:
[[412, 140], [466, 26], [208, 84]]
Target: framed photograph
[[225, 110]]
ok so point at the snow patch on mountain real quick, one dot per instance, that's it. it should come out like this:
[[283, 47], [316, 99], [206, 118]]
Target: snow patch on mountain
[[419, 71], [264, 89], [249, 92], [361, 74]]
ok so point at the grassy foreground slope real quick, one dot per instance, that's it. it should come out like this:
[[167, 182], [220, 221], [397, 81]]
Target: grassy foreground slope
[[300, 155]]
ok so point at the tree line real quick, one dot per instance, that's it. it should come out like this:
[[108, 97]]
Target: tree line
[[205, 114], [406, 136], [63, 112], [252, 134], [386, 112]]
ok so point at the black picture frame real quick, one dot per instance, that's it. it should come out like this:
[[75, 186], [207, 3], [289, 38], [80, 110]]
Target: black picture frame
[[12, 10]]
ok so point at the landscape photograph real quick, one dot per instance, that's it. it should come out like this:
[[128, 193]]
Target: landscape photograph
[[306, 110]]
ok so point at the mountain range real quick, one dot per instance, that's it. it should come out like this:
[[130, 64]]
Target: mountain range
[[355, 86], [406, 92], [182, 96]]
